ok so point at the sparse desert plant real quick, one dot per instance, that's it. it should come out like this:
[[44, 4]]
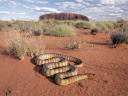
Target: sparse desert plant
[[75, 45], [84, 24], [19, 46], [33, 50], [119, 37], [62, 30], [31, 27], [16, 45], [2, 25], [94, 31], [79, 24], [119, 23], [109, 24], [37, 32], [101, 27]]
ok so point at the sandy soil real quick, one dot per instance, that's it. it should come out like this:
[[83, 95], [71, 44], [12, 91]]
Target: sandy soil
[[22, 78]]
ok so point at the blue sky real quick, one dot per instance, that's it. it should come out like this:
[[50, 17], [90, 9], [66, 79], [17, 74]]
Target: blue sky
[[94, 9]]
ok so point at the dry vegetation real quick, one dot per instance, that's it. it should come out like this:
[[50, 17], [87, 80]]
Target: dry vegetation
[[121, 35], [20, 45]]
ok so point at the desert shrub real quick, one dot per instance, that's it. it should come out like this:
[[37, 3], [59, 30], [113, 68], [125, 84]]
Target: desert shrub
[[16, 46], [84, 24], [36, 32], [119, 23], [109, 25], [2, 25], [62, 30], [94, 31], [79, 24], [22, 26], [31, 27], [101, 27], [119, 37], [19, 46], [104, 26], [46, 25], [75, 45]]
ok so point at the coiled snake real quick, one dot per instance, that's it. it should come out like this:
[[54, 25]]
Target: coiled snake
[[63, 67]]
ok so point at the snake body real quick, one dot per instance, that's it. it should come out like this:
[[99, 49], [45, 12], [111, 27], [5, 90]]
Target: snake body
[[63, 67]]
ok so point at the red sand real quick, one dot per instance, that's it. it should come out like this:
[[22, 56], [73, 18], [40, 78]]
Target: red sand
[[21, 78]]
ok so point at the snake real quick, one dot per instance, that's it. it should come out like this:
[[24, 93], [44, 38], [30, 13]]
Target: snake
[[61, 67]]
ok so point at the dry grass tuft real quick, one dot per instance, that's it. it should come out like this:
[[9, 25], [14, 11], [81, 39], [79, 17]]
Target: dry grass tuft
[[75, 45], [20, 46]]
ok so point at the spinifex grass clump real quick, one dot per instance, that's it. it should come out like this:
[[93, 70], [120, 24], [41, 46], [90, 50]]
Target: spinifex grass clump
[[103, 26], [62, 30], [84, 24]]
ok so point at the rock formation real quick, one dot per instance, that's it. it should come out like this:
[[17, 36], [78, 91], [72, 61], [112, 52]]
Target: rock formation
[[63, 16]]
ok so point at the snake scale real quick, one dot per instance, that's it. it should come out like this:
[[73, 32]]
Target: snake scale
[[62, 67]]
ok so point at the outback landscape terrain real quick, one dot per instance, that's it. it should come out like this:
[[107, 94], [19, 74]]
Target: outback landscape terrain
[[102, 46]]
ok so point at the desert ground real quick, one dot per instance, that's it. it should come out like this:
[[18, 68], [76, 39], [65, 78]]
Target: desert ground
[[22, 78]]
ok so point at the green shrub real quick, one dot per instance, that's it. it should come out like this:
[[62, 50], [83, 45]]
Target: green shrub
[[79, 24], [104, 26], [101, 27], [62, 30], [84, 24]]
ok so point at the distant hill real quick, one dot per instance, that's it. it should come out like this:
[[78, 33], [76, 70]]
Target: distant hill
[[63, 16]]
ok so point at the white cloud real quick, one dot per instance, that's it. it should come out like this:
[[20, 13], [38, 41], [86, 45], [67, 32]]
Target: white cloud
[[108, 1], [113, 1], [42, 2], [13, 2], [80, 1], [25, 6], [68, 4], [45, 9], [30, 1], [8, 12]]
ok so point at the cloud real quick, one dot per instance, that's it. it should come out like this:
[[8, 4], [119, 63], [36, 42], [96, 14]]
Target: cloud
[[94, 9], [30, 1], [108, 1], [113, 1], [25, 6], [46, 9], [68, 4], [8, 12], [13, 2], [80, 1], [42, 2]]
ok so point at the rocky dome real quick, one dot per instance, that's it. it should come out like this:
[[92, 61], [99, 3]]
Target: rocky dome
[[63, 16]]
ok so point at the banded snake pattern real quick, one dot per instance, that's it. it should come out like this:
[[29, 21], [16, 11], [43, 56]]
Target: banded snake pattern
[[61, 67]]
